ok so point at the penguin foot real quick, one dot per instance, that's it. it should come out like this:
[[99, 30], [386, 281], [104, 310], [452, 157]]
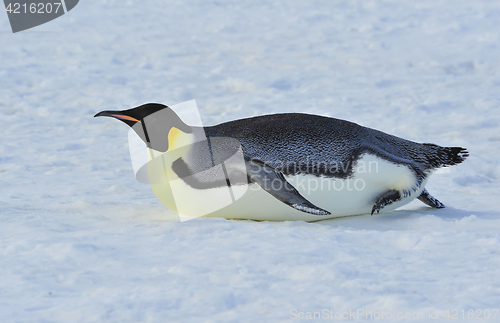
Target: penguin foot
[[386, 199], [430, 200]]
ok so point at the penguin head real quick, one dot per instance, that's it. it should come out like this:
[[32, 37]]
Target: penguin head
[[156, 124]]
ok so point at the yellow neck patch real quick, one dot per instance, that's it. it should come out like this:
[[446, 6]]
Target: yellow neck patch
[[173, 136]]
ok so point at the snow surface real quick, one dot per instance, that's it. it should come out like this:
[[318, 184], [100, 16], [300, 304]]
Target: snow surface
[[83, 241]]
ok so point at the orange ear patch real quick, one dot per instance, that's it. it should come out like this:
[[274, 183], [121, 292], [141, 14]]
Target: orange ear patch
[[124, 117]]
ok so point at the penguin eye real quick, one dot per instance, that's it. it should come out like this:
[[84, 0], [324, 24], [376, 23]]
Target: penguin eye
[[124, 117]]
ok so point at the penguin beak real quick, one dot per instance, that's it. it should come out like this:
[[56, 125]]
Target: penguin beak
[[116, 114], [124, 117]]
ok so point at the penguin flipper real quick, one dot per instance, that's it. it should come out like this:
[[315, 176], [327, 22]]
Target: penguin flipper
[[430, 200], [386, 199], [274, 183]]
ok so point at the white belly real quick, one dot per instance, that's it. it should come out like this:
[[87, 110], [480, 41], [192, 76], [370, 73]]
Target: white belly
[[372, 178]]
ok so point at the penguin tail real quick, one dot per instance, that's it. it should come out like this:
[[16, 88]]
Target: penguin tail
[[445, 156]]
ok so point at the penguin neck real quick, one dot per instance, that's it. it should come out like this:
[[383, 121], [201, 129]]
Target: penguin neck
[[177, 138]]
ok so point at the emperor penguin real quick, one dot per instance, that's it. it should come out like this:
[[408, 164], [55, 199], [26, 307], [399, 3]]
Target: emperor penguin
[[298, 166]]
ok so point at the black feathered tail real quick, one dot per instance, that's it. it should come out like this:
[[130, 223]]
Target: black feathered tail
[[438, 156]]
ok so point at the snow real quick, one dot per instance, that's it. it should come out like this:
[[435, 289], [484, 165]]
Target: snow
[[83, 241]]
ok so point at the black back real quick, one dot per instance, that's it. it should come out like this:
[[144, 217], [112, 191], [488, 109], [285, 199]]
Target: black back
[[295, 143]]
